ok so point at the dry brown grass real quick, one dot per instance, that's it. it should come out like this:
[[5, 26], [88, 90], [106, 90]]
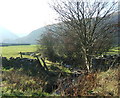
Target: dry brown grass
[[91, 84], [107, 83], [16, 81]]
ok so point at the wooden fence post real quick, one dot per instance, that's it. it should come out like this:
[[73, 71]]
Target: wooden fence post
[[21, 55], [44, 64], [39, 62]]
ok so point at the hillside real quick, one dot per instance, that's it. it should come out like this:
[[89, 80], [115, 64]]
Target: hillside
[[6, 35], [32, 37]]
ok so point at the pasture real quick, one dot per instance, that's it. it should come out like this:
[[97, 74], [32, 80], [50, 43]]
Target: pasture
[[115, 50], [13, 51]]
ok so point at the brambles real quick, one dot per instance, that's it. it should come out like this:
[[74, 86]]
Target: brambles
[[77, 86]]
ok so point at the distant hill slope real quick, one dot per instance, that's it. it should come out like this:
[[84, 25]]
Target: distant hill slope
[[32, 37], [36, 34], [116, 20], [6, 35]]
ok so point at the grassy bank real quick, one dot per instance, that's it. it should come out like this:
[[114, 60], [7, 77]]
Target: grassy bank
[[13, 51]]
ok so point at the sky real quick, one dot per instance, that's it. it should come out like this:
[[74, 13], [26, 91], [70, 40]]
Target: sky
[[23, 16]]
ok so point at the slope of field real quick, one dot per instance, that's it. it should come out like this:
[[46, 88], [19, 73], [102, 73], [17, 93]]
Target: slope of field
[[13, 51]]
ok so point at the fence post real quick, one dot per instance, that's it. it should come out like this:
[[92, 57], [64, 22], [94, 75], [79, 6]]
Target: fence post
[[40, 65], [21, 55], [44, 64]]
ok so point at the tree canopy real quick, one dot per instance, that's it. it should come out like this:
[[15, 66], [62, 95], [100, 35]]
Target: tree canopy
[[85, 30]]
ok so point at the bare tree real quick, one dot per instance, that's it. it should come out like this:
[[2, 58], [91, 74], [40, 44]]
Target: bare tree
[[89, 24]]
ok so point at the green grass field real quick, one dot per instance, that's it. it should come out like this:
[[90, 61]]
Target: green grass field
[[115, 50], [13, 51]]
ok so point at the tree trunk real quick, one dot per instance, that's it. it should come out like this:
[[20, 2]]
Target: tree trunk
[[86, 59], [87, 63]]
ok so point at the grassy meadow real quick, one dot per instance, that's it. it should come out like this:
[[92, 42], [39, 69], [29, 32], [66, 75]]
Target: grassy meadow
[[115, 50], [13, 51]]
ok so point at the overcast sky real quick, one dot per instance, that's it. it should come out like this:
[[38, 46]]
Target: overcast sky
[[23, 16]]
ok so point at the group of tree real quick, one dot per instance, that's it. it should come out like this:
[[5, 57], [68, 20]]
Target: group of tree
[[84, 31]]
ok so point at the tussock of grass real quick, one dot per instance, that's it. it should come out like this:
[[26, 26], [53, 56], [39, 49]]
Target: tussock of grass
[[16, 83], [107, 83]]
